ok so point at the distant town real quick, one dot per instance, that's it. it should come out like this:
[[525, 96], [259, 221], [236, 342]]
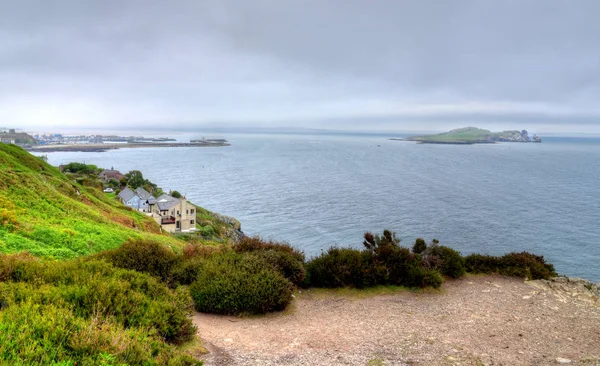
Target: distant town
[[49, 142]]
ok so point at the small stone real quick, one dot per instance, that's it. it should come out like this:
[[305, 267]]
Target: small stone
[[526, 297], [563, 361]]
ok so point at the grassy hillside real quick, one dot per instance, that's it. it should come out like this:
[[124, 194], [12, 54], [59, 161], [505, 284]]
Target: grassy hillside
[[44, 212]]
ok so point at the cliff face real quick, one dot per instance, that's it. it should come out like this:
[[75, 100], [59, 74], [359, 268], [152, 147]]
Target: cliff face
[[511, 136]]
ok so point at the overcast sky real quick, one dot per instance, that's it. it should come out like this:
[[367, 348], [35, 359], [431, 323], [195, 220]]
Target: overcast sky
[[355, 65]]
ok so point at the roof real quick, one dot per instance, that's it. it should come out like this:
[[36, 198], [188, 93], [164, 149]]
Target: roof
[[151, 200], [142, 193], [111, 173], [165, 202], [126, 194]]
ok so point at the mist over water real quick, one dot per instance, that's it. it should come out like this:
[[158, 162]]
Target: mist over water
[[315, 191]]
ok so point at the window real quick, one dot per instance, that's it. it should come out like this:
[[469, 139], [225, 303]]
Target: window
[[187, 212], [191, 222], [192, 210]]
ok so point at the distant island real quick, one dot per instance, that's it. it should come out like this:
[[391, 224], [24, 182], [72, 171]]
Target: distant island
[[473, 135]]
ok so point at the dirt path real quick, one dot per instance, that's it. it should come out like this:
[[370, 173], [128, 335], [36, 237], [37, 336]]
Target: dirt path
[[480, 320]]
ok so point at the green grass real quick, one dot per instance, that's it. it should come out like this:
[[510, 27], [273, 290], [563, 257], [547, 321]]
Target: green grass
[[87, 312], [49, 215]]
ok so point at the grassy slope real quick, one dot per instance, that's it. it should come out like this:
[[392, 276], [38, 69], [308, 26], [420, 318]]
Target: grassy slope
[[467, 134], [42, 212]]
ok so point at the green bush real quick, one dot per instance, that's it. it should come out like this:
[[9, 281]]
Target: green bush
[[479, 263], [526, 265], [403, 267], [207, 231], [232, 283], [387, 264], [187, 271], [81, 168], [419, 246], [446, 260], [35, 334], [94, 288], [431, 278], [522, 264], [251, 244], [285, 263], [144, 256], [340, 267]]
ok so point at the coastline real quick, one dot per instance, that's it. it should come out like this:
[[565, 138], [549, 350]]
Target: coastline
[[458, 142], [106, 147]]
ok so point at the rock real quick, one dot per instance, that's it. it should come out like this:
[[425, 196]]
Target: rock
[[563, 361]]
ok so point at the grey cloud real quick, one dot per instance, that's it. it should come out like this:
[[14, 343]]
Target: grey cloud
[[312, 63]]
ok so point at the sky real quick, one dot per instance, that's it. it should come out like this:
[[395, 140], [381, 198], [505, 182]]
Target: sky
[[397, 65]]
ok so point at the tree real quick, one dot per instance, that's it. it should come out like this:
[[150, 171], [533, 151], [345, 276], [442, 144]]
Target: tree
[[135, 179], [81, 168], [419, 246], [175, 194], [374, 242]]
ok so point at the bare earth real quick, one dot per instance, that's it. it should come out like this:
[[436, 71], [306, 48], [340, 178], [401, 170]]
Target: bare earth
[[479, 320]]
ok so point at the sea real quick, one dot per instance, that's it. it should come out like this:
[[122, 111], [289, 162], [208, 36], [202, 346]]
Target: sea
[[315, 191]]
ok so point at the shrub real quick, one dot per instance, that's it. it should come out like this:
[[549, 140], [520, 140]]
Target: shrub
[[285, 263], [81, 168], [446, 260], [432, 278], [233, 283], [526, 265], [403, 267], [419, 246], [207, 231], [250, 244], [340, 267], [13, 267], [48, 334], [479, 263], [144, 256], [194, 250], [95, 288], [187, 271], [522, 264]]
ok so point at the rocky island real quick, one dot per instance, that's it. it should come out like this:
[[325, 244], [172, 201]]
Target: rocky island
[[473, 135]]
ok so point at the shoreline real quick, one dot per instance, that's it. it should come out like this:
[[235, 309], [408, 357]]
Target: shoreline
[[458, 142], [106, 147]]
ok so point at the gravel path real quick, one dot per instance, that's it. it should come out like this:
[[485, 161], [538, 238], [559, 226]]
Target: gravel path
[[480, 320]]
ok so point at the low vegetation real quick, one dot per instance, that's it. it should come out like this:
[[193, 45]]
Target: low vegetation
[[86, 311], [522, 264]]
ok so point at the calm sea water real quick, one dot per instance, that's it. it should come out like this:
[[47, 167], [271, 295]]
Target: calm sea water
[[323, 190]]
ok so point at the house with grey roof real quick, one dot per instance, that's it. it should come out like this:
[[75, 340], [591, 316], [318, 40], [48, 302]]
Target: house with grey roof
[[138, 199]]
